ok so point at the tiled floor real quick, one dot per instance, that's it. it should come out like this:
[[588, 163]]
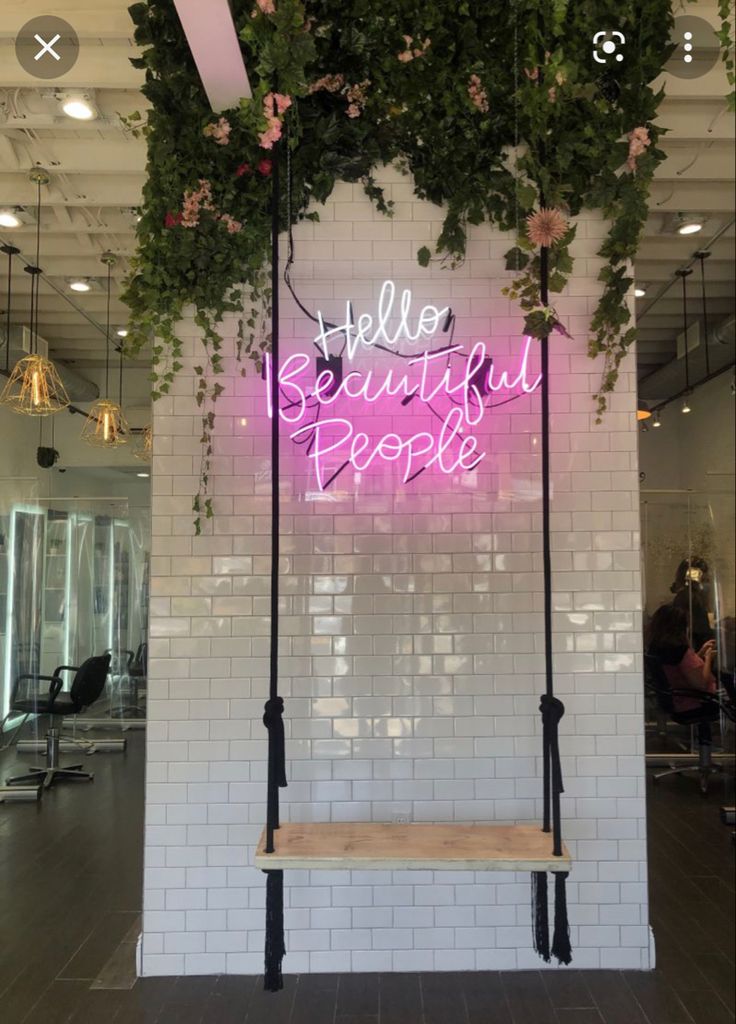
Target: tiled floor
[[70, 883]]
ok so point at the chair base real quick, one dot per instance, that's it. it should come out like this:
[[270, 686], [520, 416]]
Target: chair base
[[52, 770], [704, 772], [47, 776]]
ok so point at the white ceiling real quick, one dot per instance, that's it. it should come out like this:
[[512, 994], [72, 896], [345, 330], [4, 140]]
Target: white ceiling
[[97, 172]]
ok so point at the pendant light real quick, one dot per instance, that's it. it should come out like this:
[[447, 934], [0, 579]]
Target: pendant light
[[106, 426], [683, 274], [144, 446], [34, 387]]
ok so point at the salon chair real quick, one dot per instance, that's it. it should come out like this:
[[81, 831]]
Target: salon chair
[[88, 683], [701, 718]]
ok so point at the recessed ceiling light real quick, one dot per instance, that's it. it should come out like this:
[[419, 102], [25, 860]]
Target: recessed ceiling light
[[640, 292], [122, 332], [78, 105], [80, 284], [144, 475], [689, 224], [9, 218]]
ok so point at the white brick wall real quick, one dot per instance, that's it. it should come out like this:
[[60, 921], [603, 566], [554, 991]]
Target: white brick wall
[[411, 649]]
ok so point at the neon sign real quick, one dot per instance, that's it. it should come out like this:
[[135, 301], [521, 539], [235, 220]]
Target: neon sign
[[453, 385]]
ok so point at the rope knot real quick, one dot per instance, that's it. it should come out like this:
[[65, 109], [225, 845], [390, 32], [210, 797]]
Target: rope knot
[[274, 722], [552, 710], [273, 712]]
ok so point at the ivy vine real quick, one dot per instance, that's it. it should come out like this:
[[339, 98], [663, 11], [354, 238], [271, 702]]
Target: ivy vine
[[495, 110]]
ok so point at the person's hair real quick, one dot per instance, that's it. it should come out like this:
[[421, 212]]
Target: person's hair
[[681, 580], [668, 628]]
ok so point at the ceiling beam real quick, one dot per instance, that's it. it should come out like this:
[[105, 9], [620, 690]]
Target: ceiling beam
[[90, 19], [105, 66], [214, 44]]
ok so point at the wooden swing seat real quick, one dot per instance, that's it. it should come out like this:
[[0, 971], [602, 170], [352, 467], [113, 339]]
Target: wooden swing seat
[[369, 846]]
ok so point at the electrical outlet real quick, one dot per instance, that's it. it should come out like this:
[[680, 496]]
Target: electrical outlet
[[400, 819]]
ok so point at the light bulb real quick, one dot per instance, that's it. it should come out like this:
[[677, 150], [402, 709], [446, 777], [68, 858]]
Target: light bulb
[[657, 422], [106, 426], [122, 332], [36, 388], [243, 421], [639, 293], [78, 108], [79, 285], [9, 219], [689, 226], [143, 475], [686, 406]]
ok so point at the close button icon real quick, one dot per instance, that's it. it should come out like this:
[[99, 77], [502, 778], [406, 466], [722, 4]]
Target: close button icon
[[47, 47]]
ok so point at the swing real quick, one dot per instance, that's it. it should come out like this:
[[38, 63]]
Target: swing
[[440, 847]]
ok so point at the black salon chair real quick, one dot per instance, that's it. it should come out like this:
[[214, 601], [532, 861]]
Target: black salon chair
[[709, 710], [89, 682]]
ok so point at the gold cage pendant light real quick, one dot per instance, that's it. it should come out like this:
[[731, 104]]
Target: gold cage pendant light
[[106, 425], [34, 386], [144, 445]]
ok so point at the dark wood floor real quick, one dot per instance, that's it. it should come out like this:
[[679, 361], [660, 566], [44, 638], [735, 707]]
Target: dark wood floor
[[70, 884]]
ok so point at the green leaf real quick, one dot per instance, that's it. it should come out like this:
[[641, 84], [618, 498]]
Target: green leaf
[[424, 256]]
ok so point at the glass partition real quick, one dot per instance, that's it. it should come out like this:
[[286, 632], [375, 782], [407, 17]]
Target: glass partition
[[74, 583], [688, 560]]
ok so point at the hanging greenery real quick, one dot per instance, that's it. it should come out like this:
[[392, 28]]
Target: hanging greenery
[[497, 111]]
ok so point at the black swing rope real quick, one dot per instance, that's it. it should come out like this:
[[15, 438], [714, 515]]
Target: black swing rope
[[552, 709], [274, 709]]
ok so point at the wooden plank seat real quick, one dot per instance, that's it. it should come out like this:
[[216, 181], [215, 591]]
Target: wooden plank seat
[[370, 846]]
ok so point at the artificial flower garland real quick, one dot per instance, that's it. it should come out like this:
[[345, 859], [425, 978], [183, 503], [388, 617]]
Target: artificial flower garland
[[419, 83]]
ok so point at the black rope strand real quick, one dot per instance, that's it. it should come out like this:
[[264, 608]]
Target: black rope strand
[[552, 709], [275, 946]]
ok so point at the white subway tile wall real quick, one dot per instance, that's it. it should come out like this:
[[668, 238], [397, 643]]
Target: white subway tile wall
[[411, 641]]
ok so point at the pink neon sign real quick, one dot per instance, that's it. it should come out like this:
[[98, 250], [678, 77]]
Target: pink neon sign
[[322, 408]]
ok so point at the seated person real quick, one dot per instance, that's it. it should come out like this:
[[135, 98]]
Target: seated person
[[691, 588], [668, 643]]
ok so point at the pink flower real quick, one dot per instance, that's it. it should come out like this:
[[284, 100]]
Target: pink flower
[[271, 135], [357, 98], [552, 94], [232, 225], [477, 94], [220, 132], [194, 200], [266, 6], [283, 102], [330, 83], [532, 73], [265, 167], [545, 227], [638, 142], [413, 49], [275, 103], [242, 169]]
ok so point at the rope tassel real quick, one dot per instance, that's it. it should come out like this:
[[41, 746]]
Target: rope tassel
[[561, 949], [540, 914], [275, 946]]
